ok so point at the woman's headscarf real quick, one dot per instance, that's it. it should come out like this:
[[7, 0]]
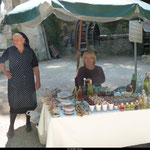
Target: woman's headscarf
[[26, 44]]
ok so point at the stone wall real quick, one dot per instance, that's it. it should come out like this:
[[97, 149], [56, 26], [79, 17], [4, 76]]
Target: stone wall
[[5, 31], [36, 35], [5, 37], [38, 42], [112, 47], [119, 46]]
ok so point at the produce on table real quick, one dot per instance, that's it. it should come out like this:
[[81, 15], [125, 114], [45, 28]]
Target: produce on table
[[82, 109]]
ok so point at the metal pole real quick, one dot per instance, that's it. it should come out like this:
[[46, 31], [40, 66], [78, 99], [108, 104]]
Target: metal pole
[[135, 58]]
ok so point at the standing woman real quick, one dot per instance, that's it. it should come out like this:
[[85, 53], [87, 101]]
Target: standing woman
[[22, 87]]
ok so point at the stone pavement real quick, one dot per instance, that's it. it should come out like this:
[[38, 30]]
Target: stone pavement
[[21, 137]]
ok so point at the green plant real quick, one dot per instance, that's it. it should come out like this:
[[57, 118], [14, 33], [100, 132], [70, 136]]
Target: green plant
[[53, 30], [15, 30], [37, 54]]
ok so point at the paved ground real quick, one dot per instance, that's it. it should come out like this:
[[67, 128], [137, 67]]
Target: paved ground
[[60, 74]]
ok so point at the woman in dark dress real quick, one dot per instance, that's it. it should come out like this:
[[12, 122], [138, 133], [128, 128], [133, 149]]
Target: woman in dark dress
[[22, 87], [90, 70]]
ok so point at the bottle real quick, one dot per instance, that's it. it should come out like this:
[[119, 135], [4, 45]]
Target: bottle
[[132, 106], [122, 107], [140, 104], [127, 106], [136, 106], [143, 96], [84, 88], [144, 99], [75, 94], [148, 102], [133, 82], [79, 94], [101, 92], [139, 86], [146, 83], [90, 88]]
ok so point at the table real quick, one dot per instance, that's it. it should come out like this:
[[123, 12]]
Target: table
[[99, 129]]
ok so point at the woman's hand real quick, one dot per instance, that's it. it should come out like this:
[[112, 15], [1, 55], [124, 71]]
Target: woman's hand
[[37, 85], [5, 72], [8, 74]]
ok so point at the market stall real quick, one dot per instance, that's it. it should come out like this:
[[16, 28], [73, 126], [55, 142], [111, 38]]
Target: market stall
[[120, 121], [99, 129], [86, 126]]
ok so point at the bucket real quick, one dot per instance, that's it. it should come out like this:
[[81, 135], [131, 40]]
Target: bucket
[[35, 116]]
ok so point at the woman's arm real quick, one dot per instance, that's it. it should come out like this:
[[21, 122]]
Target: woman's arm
[[37, 75], [4, 58], [5, 72]]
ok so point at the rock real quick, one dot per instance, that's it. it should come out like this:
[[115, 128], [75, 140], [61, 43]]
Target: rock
[[7, 31]]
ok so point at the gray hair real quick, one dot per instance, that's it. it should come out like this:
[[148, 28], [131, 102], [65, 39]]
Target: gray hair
[[18, 35]]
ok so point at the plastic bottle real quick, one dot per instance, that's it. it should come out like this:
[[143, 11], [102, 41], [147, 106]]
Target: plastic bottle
[[146, 83], [139, 85], [131, 106], [144, 99], [127, 106], [90, 88], [84, 87], [136, 106]]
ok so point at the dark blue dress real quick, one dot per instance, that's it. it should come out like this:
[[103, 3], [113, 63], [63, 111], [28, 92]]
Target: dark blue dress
[[21, 87]]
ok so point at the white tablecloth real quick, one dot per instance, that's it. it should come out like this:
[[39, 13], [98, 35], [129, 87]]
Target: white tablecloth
[[100, 129]]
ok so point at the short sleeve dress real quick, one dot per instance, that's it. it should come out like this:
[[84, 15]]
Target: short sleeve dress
[[21, 87]]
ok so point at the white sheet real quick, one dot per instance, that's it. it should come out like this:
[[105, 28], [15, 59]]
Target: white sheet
[[100, 129]]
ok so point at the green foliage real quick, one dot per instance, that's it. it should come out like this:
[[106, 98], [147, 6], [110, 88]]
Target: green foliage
[[15, 30], [37, 54], [116, 27], [120, 46], [53, 30]]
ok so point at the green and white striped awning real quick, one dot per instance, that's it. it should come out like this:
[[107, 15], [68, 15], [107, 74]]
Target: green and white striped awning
[[35, 11]]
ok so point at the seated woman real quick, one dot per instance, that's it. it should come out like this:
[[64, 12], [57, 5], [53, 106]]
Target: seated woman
[[90, 70]]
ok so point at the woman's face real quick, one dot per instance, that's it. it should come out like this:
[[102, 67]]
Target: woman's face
[[89, 60], [18, 41]]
